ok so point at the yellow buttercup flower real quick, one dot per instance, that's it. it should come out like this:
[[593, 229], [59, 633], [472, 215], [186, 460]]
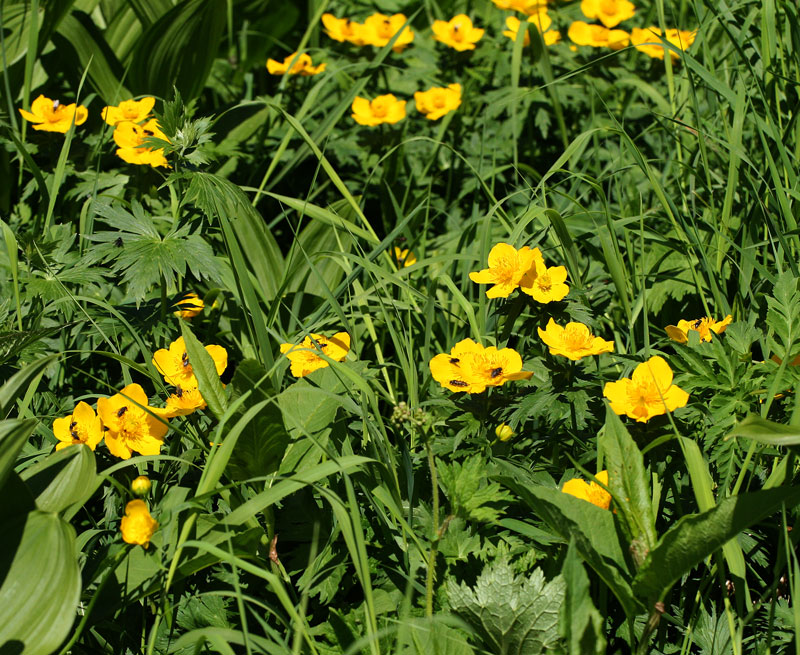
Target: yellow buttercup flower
[[129, 110], [82, 426], [183, 403], [141, 485], [379, 29], [542, 22], [404, 257], [471, 368], [458, 32], [438, 101], [609, 12], [129, 136], [190, 306], [383, 109], [344, 30], [507, 267], [597, 36], [503, 432], [589, 491], [647, 393], [706, 327], [545, 284], [51, 116], [129, 427], [523, 6], [294, 64], [574, 341], [649, 41], [137, 525], [305, 358], [174, 363]]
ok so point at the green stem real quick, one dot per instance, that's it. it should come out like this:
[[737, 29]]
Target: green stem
[[436, 535], [649, 628]]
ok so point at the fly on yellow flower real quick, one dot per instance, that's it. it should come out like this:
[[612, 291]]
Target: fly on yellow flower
[[574, 341], [294, 64], [183, 403], [523, 6], [129, 427], [344, 30], [174, 363], [542, 22], [129, 136], [649, 41], [137, 526], [597, 36], [609, 12], [135, 111], [383, 109], [82, 426], [404, 257], [438, 101], [706, 327], [647, 393], [458, 32], [545, 284], [305, 358], [471, 368], [51, 116], [507, 267], [590, 491], [379, 29], [190, 306]]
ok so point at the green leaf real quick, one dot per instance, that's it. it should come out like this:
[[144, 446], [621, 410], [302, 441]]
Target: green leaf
[[468, 490], [63, 479], [13, 435], [696, 536], [759, 429], [581, 623], [207, 376], [18, 383], [627, 479], [431, 637], [783, 315], [511, 615]]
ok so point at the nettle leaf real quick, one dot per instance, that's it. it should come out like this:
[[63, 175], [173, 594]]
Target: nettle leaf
[[469, 491], [511, 615]]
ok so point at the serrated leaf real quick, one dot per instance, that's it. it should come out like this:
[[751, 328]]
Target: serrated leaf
[[469, 491]]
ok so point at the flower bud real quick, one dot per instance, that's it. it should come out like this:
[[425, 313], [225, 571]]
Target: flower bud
[[504, 432], [141, 486]]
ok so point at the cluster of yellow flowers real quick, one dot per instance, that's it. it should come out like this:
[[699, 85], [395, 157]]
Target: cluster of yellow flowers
[[434, 103], [131, 120]]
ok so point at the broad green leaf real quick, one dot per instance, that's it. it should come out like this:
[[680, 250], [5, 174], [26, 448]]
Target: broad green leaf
[[759, 429], [42, 584], [13, 435], [581, 624], [18, 383], [511, 615], [203, 367], [431, 637], [66, 477], [627, 479], [696, 536]]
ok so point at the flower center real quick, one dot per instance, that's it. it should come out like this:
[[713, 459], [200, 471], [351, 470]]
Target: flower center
[[385, 30], [439, 100], [608, 7], [77, 432], [457, 33], [544, 282], [132, 425], [379, 108], [574, 338], [130, 112]]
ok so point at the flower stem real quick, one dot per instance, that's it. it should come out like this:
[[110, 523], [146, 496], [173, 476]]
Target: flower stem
[[436, 535]]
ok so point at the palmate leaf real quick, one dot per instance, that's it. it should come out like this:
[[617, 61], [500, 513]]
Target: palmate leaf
[[469, 492], [143, 256], [783, 315]]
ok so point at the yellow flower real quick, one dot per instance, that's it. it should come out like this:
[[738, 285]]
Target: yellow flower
[[137, 525], [703, 326], [573, 341], [305, 358], [129, 427], [507, 267], [503, 432], [141, 486], [301, 66], [523, 6], [471, 368], [183, 403], [51, 116], [545, 284], [458, 32], [82, 426], [404, 257], [129, 110], [542, 22], [129, 137], [597, 36], [174, 364], [190, 306], [383, 109], [379, 29], [438, 101], [649, 41], [344, 29], [590, 491], [609, 12], [648, 393]]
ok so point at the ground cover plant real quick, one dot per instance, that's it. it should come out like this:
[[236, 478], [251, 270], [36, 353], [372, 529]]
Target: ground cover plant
[[441, 326]]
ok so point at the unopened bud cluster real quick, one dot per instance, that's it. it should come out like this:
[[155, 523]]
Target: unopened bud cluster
[[404, 415]]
